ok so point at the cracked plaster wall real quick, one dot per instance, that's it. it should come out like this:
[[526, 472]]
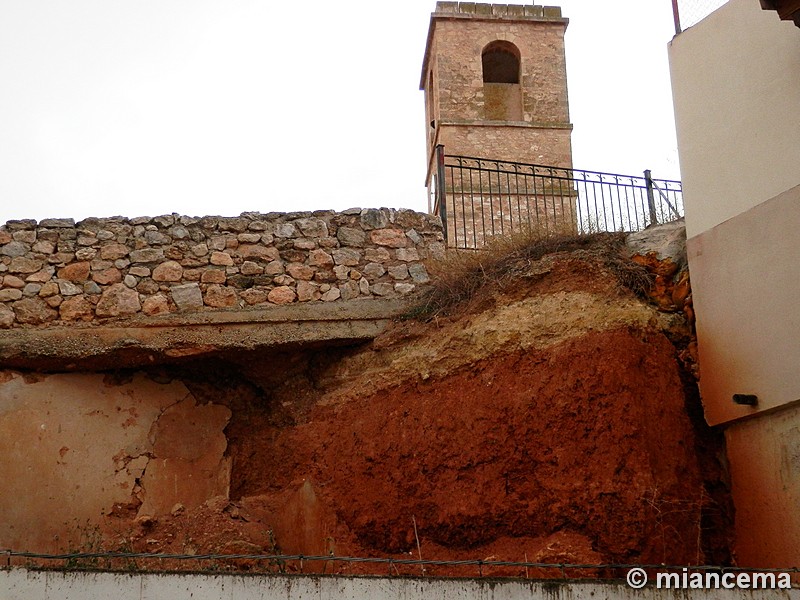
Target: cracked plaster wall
[[75, 446]]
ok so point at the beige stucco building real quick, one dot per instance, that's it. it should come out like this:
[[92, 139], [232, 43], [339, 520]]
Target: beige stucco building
[[736, 93]]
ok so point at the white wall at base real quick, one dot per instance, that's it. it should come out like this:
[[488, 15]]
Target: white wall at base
[[24, 584]]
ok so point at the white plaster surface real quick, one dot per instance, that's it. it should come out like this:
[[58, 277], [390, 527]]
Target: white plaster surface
[[736, 93], [21, 584]]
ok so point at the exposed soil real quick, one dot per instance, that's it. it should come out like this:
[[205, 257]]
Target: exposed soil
[[551, 423]]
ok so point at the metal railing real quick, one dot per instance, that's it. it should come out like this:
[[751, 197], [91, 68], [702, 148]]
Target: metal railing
[[479, 198], [144, 562]]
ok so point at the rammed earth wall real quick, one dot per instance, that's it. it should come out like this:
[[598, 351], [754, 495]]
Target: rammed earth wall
[[59, 270]]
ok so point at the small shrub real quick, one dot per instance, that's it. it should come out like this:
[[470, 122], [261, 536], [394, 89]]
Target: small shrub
[[466, 277]]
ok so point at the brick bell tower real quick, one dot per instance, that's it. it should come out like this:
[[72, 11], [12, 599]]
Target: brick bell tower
[[495, 83]]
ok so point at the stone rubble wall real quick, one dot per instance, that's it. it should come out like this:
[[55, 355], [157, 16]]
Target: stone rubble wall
[[101, 268]]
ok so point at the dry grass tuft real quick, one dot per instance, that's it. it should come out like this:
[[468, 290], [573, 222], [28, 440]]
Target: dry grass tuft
[[466, 277]]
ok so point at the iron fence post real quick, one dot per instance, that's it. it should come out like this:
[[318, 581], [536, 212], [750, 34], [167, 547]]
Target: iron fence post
[[676, 16], [441, 194], [651, 201]]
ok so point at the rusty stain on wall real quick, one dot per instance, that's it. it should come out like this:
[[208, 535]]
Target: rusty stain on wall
[[74, 446]]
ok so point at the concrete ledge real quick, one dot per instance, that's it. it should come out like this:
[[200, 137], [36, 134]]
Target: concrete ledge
[[522, 124], [152, 340], [508, 12]]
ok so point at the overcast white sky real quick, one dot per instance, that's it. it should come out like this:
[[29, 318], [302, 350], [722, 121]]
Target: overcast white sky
[[147, 107]]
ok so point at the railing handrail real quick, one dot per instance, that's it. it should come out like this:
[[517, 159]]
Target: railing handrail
[[478, 198], [556, 168]]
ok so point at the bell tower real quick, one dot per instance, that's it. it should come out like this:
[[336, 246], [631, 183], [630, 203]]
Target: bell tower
[[495, 83]]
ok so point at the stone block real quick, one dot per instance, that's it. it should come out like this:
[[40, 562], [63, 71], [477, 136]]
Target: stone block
[[7, 317], [164, 220], [349, 290], [147, 255], [33, 311], [221, 259], [86, 253], [331, 295], [76, 308], [300, 271], [101, 265], [248, 238], [31, 289], [91, 288], [158, 238], [551, 12], [305, 244], [187, 297], [307, 291], [274, 267], [118, 300], [363, 286], [282, 295], [312, 227], [285, 230], [140, 271], [351, 236], [325, 276], [26, 236], [49, 289], [44, 247], [168, 271], [378, 255], [382, 289], [57, 223], [418, 273], [374, 270], [256, 252], [346, 256], [254, 296], [342, 272], [156, 305], [373, 218], [320, 258], [404, 288], [10, 294], [251, 268], [107, 276], [14, 249], [219, 296], [399, 272], [407, 254], [415, 237], [54, 301], [12, 281], [393, 238], [23, 264], [17, 224]]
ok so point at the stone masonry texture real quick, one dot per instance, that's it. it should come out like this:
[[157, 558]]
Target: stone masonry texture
[[57, 270], [456, 95]]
